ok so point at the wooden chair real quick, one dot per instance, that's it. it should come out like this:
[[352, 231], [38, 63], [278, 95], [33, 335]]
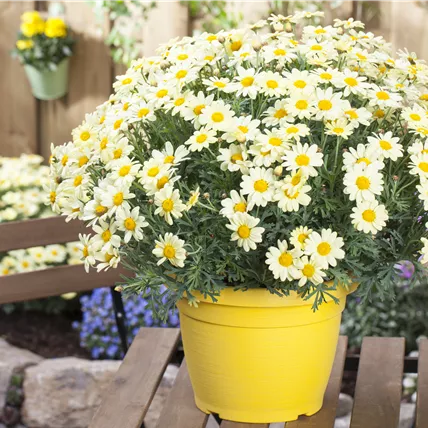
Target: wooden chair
[[376, 403], [56, 280]]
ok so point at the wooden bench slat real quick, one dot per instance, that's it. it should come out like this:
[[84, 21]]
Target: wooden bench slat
[[55, 281], [422, 396], [17, 235], [180, 410], [229, 424], [379, 383], [131, 391], [326, 416]]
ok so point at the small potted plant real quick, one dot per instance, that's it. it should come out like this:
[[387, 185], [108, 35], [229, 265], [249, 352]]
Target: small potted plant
[[261, 176], [44, 48]]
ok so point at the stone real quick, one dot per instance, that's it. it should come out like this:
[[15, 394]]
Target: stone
[[344, 407], [343, 422], [65, 392], [407, 415], [159, 399], [11, 359]]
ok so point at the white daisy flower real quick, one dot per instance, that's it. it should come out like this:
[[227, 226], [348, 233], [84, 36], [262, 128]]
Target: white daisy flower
[[369, 217], [340, 127], [363, 182], [116, 198], [131, 223], [424, 251], [245, 83], [295, 131], [418, 147], [297, 80], [328, 105], [387, 145], [303, 157], [259, 186], [247, 129], [169, 155], [299, 237], [169, 204], [419, 165], [195, 105], [281, 261], [357, 116], [201, 139], [271, 84], [108, 259], [351, 83], [236, 203], [245, 231], [383, 97], [301, 104], [170, 247], [277, 115], [364, 155], [234, 158], [310, 270], [291, 198], [325, 248], [218, 116], [105, 238]]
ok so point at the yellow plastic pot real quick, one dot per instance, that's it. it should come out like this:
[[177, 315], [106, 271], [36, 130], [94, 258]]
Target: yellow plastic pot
[[256, 357]]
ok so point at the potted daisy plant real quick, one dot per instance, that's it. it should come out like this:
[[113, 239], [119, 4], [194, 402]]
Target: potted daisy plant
[[44, 48], [261, 177]]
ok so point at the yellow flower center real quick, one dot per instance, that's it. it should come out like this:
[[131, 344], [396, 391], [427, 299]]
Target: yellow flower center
[[169, 159], [77, 180], [161, 182], [235, 46], [179, 101], [338, 130], [382, 95], [302, 238], [369, 216], [130, 224], [424, 97], [108, 257], [291, 196], [182, 57], [302, 160], [292, 130], [423, 166], [208, 58], [103, 143], [379, 114], [308, 270], [85, 251], [85, 135], [280, 113], [261, 186], [295, 179], [124, 171], [247, 81], [168, 205], [415, 117], [217, 117], [272, 84], [300, 84], [285, 259], [64, 160], [181, 74], [243, 129], [83, 160], [236, 157], [102, 119], [126, 81], [106, 235], [198, 109], [265, 153], [325, 105], [365, 160], [100, 210], [423, 130], [302, 105], [352, 114], [320, 31], [316, 48], [274, 141], [25, 264], [201, 138], [143, 112], [117, 124], [169, 251], [52, 197], [219, 84], [363, 183], [240, 207], [385, 145], [350, 81], [162, 93], [153, 171], [323, 249], [244, 231], [212, 37], [326, 76], [118, 199], [361, 57], [279, 52]]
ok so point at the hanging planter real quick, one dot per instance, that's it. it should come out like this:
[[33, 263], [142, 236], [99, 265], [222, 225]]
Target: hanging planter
[[44, 48], [49, 85]]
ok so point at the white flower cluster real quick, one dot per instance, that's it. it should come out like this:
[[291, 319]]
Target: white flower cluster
[[265, 106], [21, 188]]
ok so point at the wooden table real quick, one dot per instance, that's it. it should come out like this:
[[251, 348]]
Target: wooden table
[[376, 402]]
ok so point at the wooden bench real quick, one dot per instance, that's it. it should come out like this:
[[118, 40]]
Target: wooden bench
[[376, 402]]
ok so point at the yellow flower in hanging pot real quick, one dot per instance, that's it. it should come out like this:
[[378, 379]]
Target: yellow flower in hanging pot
[[55, 27], [32, 24], [24, 44]]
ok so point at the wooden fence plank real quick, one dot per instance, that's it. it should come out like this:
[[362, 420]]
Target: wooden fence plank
[[128, 396], [422, 400], [229, 424], [326, 416], [18, 133], [379, 382], [90, 79], [180, 410], [54, 282], [17, 235]]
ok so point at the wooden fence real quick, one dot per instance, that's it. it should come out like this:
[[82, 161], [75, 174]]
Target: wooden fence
[[29, 126]]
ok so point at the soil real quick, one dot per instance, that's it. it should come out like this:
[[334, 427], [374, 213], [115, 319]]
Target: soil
[[50, 336]]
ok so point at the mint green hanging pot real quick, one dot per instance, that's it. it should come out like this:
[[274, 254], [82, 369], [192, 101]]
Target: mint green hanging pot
[[49, 85]]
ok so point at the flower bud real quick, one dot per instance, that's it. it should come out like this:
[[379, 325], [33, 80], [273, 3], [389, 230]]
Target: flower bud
[[288, 27], [150, 201], [278, 170], [164, 65], [256, 45], [221, 39], [241, 138], [223, 195], [340, 31], [118, 288], [278, 26], [206, 195], [396, 177], [279, 67]]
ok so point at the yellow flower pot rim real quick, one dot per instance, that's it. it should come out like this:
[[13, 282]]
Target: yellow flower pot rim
[[263, 298]]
